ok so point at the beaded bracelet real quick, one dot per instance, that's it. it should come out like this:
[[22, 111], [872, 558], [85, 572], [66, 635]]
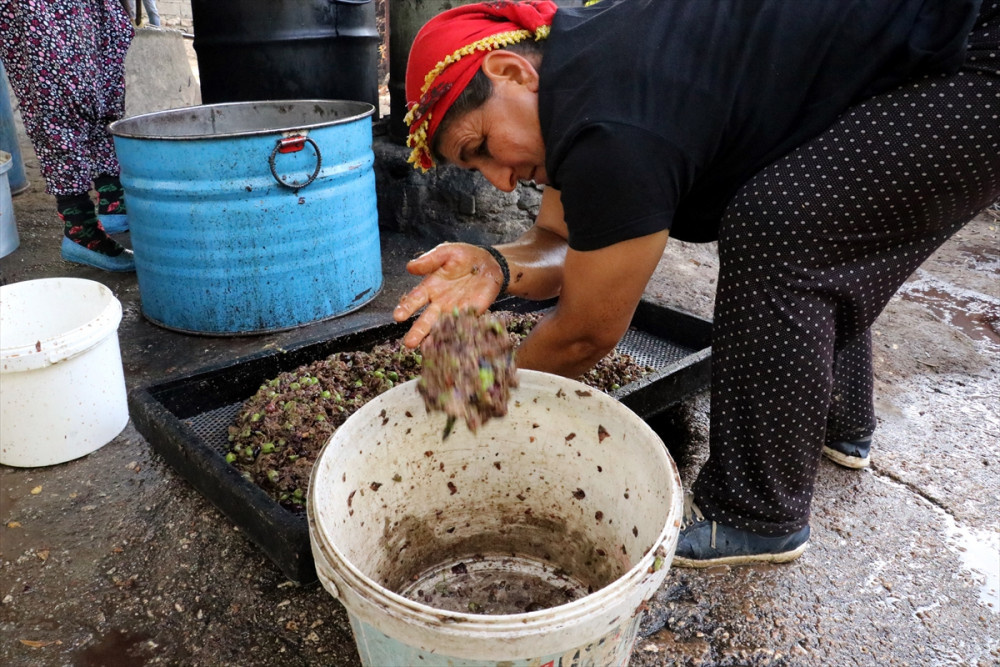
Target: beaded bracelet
[[504, 268]]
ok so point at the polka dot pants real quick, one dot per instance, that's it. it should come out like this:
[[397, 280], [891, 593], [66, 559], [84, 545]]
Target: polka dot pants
[[811, 250], [66, 63]]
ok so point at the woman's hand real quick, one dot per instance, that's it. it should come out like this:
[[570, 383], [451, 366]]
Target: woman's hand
[[455, 275]]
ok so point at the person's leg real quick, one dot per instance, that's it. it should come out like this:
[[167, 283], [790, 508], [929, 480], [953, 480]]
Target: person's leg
[[811, 250], [51, 69], [152, 12], [43, 71], [851, 420], [113, 36]]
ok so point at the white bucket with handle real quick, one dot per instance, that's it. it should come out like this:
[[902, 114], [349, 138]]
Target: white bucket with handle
[[533, 542], [9, 239], [62, 385]]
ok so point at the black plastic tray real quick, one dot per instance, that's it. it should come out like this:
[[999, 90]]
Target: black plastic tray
[[186, 419]]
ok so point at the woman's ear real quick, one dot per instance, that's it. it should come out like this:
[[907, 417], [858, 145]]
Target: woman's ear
[[507, 66]]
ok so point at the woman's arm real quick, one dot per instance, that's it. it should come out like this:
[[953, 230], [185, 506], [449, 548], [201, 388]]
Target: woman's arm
[[600, 291], [536, 258], [463, 275]]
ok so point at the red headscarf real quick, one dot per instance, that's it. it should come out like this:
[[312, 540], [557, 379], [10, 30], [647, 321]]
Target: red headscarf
[[447, 53]]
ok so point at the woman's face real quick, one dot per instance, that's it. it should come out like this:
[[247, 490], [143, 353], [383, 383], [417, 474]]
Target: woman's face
[[502, 139]]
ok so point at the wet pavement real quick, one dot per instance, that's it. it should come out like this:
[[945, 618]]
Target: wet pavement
[[113, 559]]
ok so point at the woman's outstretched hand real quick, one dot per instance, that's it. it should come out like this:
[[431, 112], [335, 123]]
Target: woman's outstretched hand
[[455, 275]]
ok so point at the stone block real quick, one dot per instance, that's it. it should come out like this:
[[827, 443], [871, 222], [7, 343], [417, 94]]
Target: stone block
[[158, 74], [447, 203]]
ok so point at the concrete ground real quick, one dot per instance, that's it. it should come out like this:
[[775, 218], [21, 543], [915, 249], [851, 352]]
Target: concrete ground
[[113, 559]]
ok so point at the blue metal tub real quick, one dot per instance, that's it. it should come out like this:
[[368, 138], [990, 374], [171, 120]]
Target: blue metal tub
[[251, 217]]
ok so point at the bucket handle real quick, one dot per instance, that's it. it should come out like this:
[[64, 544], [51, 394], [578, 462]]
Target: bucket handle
[[293, 145]]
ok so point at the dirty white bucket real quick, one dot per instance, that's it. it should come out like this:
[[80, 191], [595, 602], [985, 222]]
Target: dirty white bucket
[[62, 386], [555, 523], [9, 240]]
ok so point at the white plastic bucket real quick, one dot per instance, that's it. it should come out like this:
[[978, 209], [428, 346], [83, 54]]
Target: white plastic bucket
[[62, 386], [570, 486], [9, 240]]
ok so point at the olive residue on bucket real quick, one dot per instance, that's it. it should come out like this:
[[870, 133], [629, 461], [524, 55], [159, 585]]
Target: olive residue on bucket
[[280, 430], [495, 585], [552, 560]]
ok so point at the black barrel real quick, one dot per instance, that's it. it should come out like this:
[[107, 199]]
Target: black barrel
[[406, 18], [250, 50]]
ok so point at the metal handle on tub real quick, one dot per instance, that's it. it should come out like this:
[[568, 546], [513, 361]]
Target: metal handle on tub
[[294, 145]]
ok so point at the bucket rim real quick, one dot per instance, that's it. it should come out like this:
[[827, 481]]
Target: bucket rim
[[508, 625], [67, 344], [126, 128]]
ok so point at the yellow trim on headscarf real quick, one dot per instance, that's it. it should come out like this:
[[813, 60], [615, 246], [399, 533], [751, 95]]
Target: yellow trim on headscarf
[[417, 139]]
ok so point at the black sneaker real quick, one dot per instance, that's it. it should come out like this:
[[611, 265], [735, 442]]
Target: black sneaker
[[850, 454], [704, 543]]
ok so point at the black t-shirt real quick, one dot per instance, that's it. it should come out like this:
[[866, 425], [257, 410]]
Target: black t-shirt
[[655, 112]]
